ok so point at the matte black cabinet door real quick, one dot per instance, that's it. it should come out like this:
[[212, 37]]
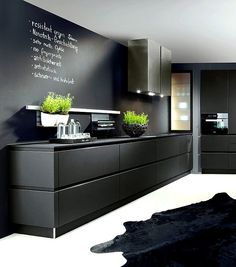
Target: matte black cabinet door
[[214, 161], [34, 169], [214, 143], [185, 163], [174, 166], [173, 146], [137, 180], [137, 153], [232, 102], [231, 143], [78, 165], [214, 91], [81, 200], [232, 161], [33, 208]]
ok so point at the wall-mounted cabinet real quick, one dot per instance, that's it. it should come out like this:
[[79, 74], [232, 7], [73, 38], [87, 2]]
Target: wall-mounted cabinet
[[181, 101], [149, 68]]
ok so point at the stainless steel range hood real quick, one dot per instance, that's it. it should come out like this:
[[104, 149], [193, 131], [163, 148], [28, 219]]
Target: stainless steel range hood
[[145, 67]]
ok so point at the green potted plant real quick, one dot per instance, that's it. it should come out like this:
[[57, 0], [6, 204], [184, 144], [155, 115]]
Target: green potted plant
[[55, 108], [134, 124]]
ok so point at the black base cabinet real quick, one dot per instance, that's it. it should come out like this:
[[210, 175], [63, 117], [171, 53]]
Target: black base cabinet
[[218, 153], [54, 188]]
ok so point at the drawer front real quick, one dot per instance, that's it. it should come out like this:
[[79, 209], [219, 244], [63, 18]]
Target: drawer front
[[232, 143], [33, 169], [32, 207], [214, 143], [173, 146], [169, 168], [81, 200], [232, 161], [137, 180], [214, 161], [137, 153], [185, 163], [78, 165]]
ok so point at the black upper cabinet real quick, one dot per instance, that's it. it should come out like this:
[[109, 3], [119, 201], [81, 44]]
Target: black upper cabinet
[[214, 91], [232, 102]]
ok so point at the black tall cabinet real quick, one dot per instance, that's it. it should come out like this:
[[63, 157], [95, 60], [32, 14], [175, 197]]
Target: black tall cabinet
[[218, 94], [232, 102], [214, 91]]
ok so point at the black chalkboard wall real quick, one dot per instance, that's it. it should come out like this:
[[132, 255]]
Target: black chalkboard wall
[[41, 52]]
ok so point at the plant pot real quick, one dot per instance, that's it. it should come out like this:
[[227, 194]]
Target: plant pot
[[134, 130], [50, 120]]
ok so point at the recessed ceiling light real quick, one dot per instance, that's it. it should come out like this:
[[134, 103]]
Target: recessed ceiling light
[[151, 93], [138, 91]]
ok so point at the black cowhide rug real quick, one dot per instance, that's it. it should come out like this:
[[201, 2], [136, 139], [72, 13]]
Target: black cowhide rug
[[198, 235]]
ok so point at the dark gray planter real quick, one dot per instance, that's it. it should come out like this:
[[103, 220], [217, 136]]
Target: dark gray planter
[[134, 130]]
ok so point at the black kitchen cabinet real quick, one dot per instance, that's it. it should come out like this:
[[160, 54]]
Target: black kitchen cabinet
[[214, 143], [169, 147], [214, 161], [34, 169], [81, 200], [135, 154], [218, 94], [167, 169], [55, 188], [86, 163], [137, 180], [232, 102], [33, 207], [214, 91], [218, 153]]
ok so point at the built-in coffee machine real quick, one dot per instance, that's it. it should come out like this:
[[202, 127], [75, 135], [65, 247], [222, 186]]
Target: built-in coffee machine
[[214, 123]]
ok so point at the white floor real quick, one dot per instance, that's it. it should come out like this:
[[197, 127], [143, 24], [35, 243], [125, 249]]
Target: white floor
[[73, 248]]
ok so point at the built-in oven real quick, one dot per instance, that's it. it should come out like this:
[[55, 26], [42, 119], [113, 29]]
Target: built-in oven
[[214, 123]]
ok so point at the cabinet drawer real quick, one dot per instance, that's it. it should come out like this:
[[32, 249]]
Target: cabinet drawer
[[137, 153], [137, 180], [33, 169], [34, 208], [214, 143], [185, 163], [214, 161], [232, 161], [81, 200], [82, 164], [166, 169], [172, 167], [231, 143], [173, 146]]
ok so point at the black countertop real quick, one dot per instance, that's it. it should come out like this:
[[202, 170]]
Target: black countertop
[[51, 147]]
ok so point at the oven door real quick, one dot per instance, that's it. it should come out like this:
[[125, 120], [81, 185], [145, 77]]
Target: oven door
[[214, 124]]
